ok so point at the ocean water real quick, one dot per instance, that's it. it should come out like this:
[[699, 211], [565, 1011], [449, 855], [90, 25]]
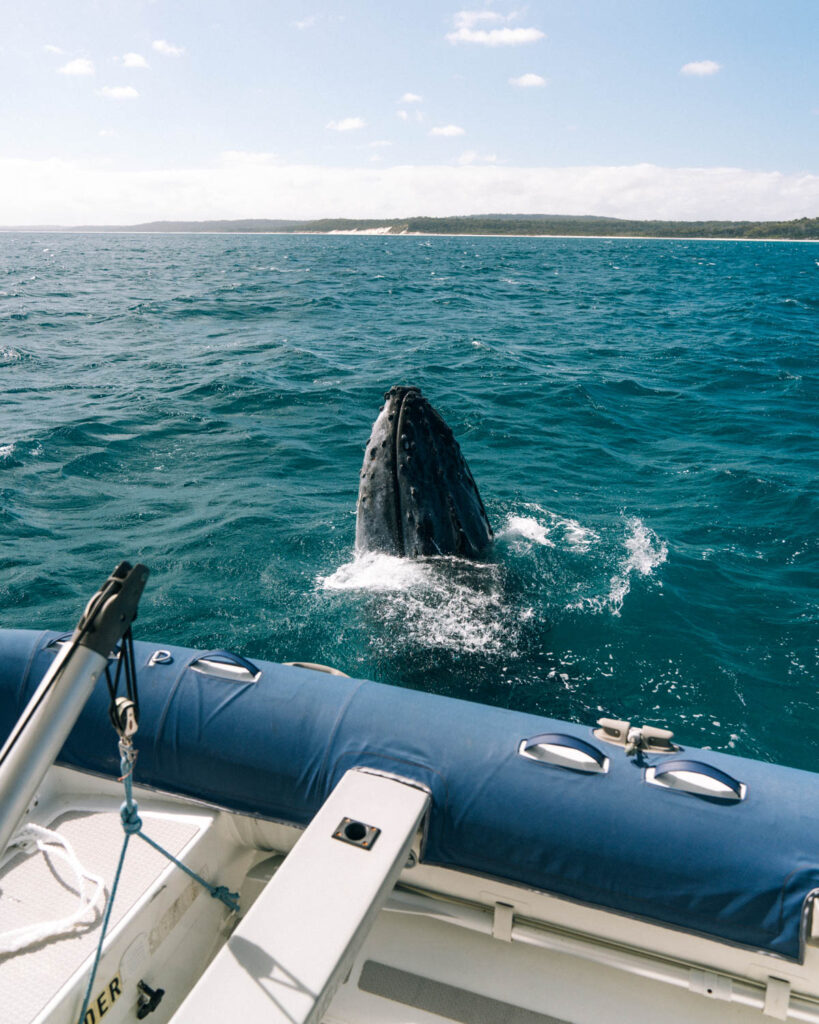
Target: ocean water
[[641, 417]]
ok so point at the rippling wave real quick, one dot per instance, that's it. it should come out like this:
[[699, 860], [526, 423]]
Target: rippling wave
[[640, 416]]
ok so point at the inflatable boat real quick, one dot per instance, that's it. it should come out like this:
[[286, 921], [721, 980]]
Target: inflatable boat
[[318, 847]]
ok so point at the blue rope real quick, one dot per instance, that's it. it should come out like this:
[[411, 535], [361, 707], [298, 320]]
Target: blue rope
[[90, 985], [219, 892], [132, 826]]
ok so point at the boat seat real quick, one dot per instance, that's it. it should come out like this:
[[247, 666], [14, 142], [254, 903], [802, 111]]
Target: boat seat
[[294, 947]]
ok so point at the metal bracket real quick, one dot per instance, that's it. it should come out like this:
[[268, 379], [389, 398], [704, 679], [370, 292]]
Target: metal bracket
[[777, 998], [502, 921], [647, 738]]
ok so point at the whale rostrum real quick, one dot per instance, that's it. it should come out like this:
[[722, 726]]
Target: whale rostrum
[[417, 496]]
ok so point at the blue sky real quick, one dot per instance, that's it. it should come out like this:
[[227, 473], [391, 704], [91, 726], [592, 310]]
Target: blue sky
[[120, 110]]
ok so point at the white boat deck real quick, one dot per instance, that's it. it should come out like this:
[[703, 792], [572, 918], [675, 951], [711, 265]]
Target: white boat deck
[[39, 888], [442, 946]]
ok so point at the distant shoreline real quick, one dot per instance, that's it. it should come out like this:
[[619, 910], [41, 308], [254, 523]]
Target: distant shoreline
[[406, 234], [475, 225]]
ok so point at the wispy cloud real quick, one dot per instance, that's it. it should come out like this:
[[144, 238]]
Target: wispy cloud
[[78, 66], [133, 60], [53, 191], [306, 22], [469, 19], [51, 48], [411, 97], [167, 49], [246, 157], [379, 144], [119, 92], [700, 67], [347, 124], [467, 28], [528, 81], [472, 156], [447, 130]]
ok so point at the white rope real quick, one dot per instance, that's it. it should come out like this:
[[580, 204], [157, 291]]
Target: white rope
[[34, 837]]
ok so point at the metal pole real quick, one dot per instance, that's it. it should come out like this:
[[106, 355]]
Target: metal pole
[[50, 718], [42, 729]]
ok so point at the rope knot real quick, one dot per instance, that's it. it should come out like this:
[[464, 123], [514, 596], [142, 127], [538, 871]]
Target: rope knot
[[221, 892], [131, 821]]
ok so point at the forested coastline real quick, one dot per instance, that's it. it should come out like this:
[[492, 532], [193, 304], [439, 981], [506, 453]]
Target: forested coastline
[[494, 224]]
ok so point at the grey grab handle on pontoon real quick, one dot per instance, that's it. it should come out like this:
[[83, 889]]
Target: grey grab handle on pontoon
[[226, 665], [696, 777], [564, 751]]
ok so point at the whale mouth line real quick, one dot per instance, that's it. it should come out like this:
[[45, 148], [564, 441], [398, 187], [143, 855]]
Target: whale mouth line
[[396, 441]]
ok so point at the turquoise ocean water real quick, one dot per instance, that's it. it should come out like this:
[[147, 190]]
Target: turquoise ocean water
[[641, 417]]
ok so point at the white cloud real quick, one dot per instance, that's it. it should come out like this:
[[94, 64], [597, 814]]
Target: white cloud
[[467, 29], [496, 36], [472, 156], [347, 124], [528, 81], [83, 192], [447, 130], [106, 133], [119, 92], [700, 67], [469, 19], [50, 48], [167, 49], [306, 22], [133, 60], [402, 114], [245, 157], [78, 66], [411, 97]]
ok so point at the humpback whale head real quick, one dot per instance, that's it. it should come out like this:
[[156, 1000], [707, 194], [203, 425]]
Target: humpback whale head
[[417, 496]]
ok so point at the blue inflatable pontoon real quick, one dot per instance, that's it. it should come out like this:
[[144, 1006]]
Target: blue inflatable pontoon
[[534, 801]]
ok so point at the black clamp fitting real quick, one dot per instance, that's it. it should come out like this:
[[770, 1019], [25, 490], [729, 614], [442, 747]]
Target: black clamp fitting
[[110, 612], [149, 999]]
